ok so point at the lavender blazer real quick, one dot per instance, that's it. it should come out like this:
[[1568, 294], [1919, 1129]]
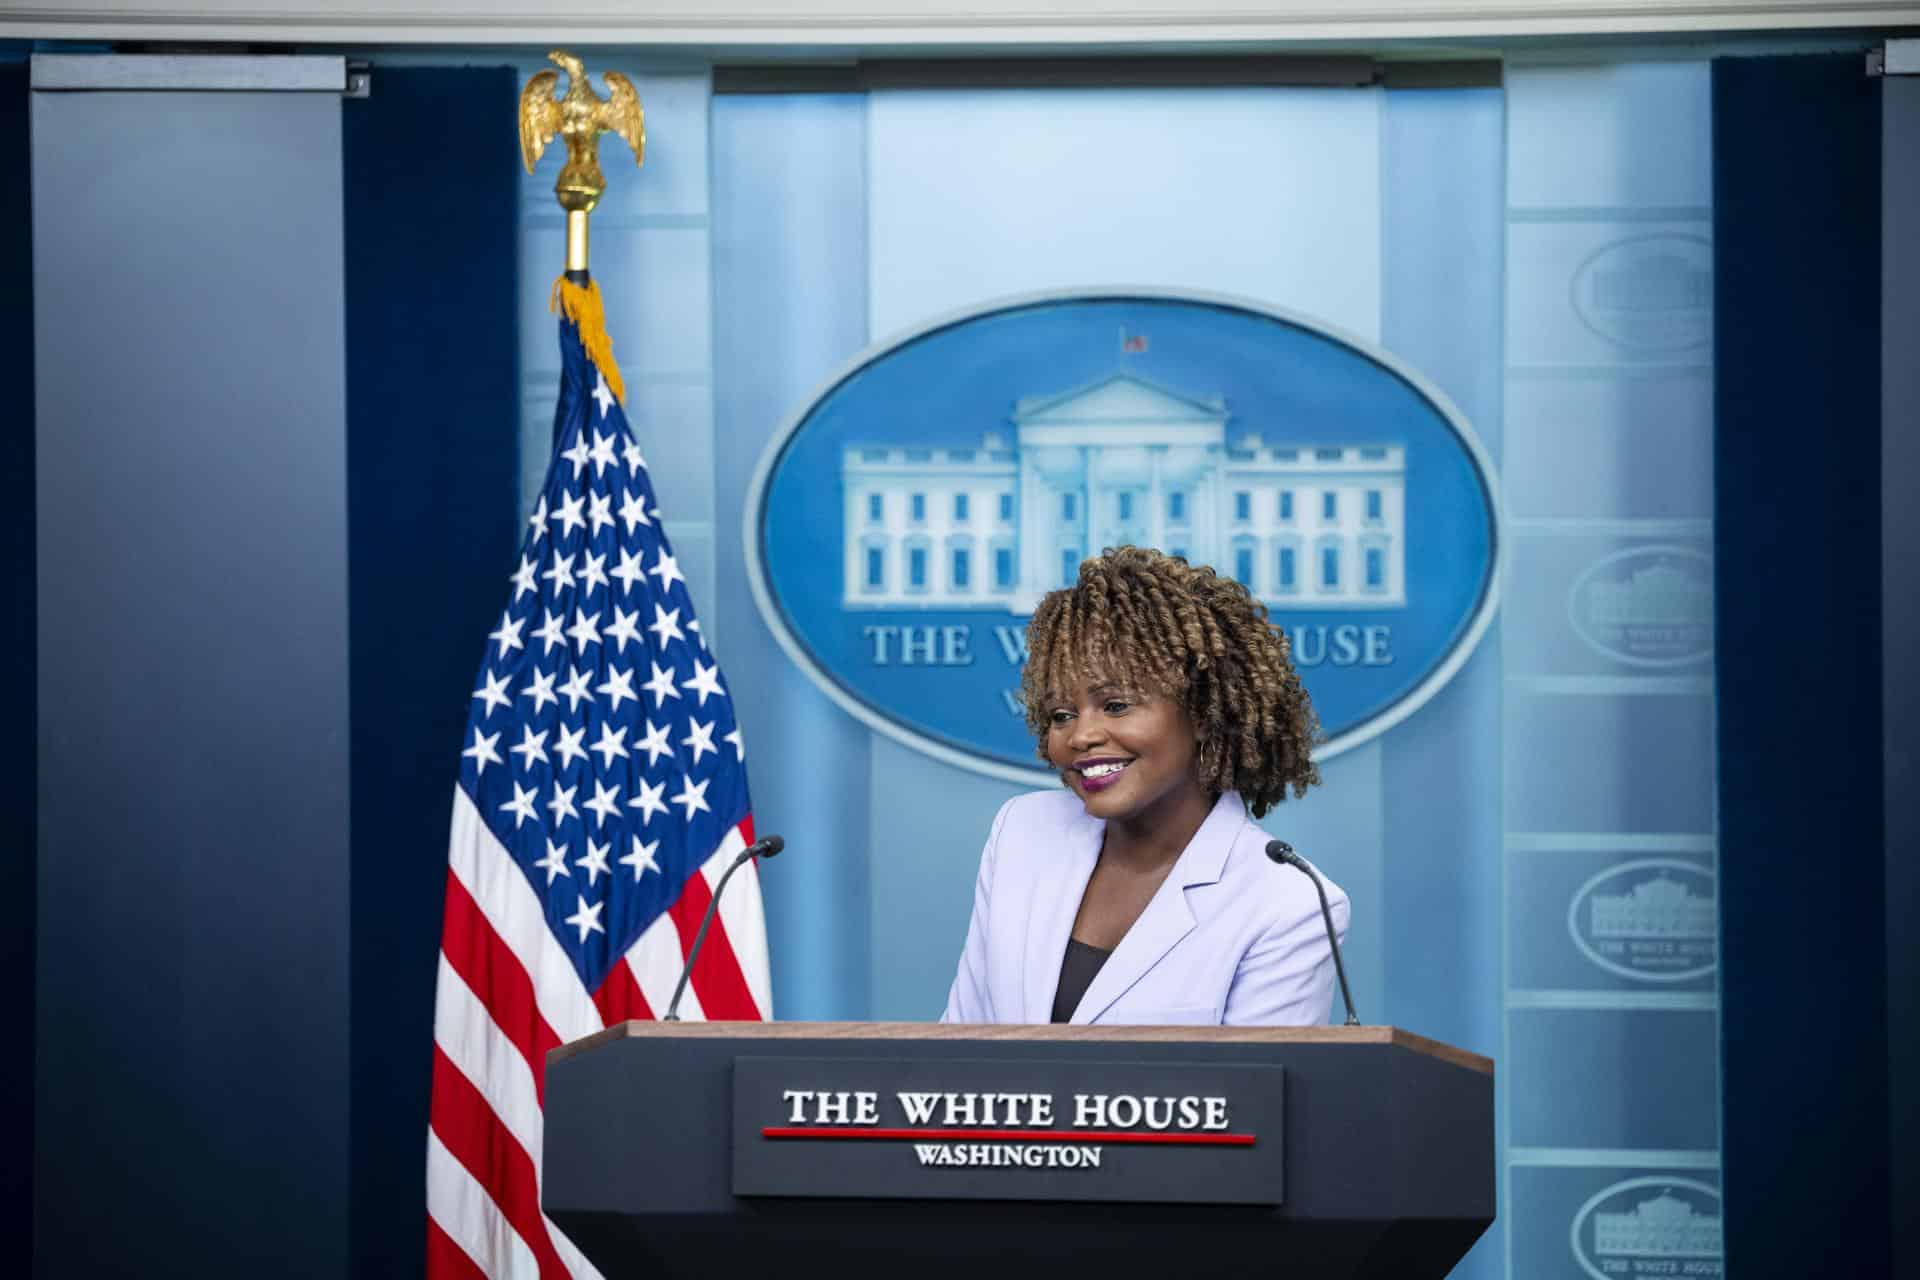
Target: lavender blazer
[[1229, 938]]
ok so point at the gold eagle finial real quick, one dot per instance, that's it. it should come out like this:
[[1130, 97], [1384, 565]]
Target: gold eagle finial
[[580, 116]]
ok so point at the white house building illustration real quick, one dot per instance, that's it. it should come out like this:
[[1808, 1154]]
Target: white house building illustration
[[1304, 524]]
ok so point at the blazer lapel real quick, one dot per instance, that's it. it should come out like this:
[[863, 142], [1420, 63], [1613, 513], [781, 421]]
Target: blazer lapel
[[1168, 918], [1060, 886]]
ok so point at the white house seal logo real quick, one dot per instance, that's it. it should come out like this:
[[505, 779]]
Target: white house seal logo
[[1648, 293], [1652, 919], [1650, 1227], [1646, 607], [903, 526]]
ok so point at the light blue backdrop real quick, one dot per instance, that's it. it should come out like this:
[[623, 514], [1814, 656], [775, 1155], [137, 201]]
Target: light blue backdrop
[[1531, 251]]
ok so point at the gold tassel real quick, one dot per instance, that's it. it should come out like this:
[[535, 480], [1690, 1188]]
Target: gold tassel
[[583, 307]]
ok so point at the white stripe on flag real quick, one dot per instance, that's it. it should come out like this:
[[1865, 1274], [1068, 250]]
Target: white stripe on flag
[[743, 915], [462, 1208], [656, 961], [510, 905], [481, 1052]]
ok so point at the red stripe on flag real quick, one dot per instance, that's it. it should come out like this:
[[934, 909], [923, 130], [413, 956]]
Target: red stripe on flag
[[717, 979], [447, 1260], [619, 997], [475, 1137], [498, 979]]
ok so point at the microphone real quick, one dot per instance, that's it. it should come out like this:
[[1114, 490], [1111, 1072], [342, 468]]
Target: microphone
[[764, 847], [1281, 851]]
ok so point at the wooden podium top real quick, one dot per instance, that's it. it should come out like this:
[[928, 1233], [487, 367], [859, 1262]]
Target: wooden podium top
[[638, 1030]]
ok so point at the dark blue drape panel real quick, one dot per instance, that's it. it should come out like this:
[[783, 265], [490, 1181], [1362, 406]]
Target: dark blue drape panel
[[1796, 159], [432, 464], [19, 761]]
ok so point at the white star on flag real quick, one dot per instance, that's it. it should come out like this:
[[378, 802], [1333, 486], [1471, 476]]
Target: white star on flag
[[595, 863], [587, 919], [605, 805], [561, 805], [577, 456], [649, 801], [661, 686], [602, 455], [494, 692], [619, 685], [532, 746], [521, 806], [628, 571], [540, 689], [633, 511], [523, 578], [665, 626], [568, 748], [693, 796], [602, 393], [706, 680], [655, 743], [482, 751], [700, 738], [561, 574], [552, 631], [641, 859], [555, 863], [585, 630], [667, 569], [569, 514], [508, 635], [575, 689]]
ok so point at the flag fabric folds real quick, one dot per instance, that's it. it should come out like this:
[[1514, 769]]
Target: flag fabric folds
[[602, 792]]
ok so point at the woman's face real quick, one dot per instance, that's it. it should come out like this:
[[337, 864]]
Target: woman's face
[[1126, 752]]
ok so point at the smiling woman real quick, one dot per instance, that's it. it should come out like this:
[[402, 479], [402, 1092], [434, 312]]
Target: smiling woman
[[1168, 705]]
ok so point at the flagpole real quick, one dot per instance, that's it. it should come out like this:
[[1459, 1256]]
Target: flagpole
[[578, 117]]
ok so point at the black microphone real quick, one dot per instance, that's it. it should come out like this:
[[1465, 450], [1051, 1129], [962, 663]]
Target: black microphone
[[764, 847], [1281, 851]]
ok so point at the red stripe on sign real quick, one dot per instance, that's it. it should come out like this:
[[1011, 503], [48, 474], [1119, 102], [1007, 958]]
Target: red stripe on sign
[[1018, 1135], [497, 978], [619, 997], [475, 1137], [717, 979], [447, 1260]]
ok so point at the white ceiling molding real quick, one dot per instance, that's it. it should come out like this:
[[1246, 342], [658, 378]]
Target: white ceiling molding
[[920, 24]]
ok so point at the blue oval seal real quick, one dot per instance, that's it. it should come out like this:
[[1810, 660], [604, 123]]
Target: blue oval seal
[[901, 527], [1654, 919], [1650, 1227]]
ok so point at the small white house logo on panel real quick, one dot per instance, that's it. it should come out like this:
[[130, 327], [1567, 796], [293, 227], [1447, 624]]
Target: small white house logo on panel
[[1650, 1227], [1654, 919], [1121, 461], [1646, 607], [1649, 293]]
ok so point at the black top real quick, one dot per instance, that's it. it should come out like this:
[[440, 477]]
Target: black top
[[1076, 975]]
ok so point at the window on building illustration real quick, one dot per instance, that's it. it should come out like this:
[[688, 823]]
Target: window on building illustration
[[917, 568], [1176, 505], [1003, 568], [876, 507], [919, 455], [876, 568], [959, 506], [1069, 506], [1330, 505], [1069, 566], [962, 569], [1243, 565], [1242, 505], [1126, 506], [1006, 506], [1286, 504], [1373, 504], [1330, 566], [1373, 455], [1327, 455], [959, 455], [1376, 569], [1286, 571], [873, 455], [919, 506]]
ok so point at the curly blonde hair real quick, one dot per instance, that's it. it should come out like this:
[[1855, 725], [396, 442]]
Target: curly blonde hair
[[1188, 633]]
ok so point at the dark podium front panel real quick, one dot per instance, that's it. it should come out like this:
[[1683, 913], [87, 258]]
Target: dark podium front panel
[[720, 1149]]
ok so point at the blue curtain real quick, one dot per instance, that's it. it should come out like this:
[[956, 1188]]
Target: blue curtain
[[432, 464], [1796, 157], [18, 675]]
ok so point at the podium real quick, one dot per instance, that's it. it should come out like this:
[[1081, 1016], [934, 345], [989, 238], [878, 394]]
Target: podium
[[704, 1149]]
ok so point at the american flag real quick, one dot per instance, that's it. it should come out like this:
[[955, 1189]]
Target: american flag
[[602, 792]]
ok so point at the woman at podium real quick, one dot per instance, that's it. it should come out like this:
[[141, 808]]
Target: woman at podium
[[1142, 894]]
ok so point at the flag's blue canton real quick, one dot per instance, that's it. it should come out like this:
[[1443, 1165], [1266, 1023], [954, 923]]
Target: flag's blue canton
[[602, 747]]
